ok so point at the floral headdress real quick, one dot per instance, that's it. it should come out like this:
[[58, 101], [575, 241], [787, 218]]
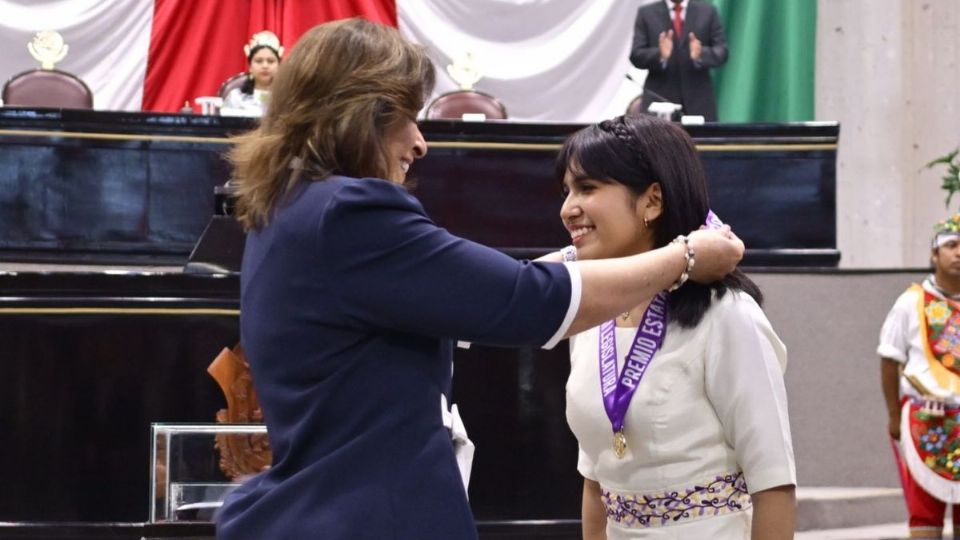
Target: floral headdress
[[946, 230], [265, 38]]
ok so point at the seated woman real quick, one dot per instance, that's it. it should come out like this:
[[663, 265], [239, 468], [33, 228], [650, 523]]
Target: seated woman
[[263, 57], [706, 434]]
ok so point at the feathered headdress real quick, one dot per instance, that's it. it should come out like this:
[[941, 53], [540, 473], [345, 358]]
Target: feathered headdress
[[946, 230]]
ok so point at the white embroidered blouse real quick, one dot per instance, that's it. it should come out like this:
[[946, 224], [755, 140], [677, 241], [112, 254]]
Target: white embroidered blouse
[[711, 404]]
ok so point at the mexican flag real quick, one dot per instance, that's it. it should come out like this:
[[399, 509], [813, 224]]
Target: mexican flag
[[546, 60]]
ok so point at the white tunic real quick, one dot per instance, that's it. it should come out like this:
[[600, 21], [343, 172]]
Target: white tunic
[[901, 340], [239, 104], [712, 402]]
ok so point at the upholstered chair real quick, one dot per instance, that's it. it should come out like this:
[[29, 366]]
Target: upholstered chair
[[47, 88], [453, 105], [235, 81], [635, 108]]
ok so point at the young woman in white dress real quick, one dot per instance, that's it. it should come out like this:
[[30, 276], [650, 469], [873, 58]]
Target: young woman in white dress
[[691, 438], [263, 58]]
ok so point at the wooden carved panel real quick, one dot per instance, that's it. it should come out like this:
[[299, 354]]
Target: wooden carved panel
[[240, 454]]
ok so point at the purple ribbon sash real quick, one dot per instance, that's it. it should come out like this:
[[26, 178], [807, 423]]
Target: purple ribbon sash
[[618, 390], [712, 221]]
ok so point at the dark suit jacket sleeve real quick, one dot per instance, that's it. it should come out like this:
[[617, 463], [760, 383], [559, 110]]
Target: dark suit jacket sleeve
[[645, 51], [714, 52], [392, 268]]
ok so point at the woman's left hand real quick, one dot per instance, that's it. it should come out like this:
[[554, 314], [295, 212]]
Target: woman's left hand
[[716, 252]]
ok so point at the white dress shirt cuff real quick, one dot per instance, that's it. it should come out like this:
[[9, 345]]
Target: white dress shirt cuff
[[576, 288]]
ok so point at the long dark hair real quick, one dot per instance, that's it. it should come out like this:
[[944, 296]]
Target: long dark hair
[[249, 82], [637, 151]]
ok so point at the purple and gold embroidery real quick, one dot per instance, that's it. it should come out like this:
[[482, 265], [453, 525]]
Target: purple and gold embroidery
[[724, 494]]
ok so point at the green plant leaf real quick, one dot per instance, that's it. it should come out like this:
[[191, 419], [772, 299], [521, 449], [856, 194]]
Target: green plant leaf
[[946, 160]]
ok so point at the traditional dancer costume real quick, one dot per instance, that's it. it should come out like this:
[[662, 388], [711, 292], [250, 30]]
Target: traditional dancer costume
[[922, 332]]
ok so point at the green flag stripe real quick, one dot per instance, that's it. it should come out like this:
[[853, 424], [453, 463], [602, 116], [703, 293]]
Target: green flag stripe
[[770, 74]]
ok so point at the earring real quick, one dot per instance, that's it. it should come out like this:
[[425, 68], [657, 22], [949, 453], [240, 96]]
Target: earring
[[646, 223]]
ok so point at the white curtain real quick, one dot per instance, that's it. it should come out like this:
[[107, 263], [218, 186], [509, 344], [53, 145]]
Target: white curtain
[[108, 41], [546, 60]]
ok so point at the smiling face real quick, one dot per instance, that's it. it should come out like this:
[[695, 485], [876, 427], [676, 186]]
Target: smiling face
[[404, 144], [263, 66], [606, 219]]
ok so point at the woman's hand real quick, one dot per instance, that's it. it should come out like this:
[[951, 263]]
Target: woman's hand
[[716, 252], [611, 286]]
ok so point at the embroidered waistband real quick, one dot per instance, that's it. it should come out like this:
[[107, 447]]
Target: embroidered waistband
[[722, 494], [933, 406]]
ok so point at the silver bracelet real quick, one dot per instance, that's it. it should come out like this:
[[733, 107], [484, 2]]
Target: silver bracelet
[[691, 259], [569, 253]]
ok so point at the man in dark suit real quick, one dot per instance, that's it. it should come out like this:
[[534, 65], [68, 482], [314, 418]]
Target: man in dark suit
[[678, 41]]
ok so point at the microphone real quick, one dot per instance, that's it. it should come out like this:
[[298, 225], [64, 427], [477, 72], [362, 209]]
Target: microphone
[[651, 93], [659, 105]]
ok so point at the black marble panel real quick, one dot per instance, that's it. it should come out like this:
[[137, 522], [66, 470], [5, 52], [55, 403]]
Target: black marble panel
[[90, 360], [93, 186]]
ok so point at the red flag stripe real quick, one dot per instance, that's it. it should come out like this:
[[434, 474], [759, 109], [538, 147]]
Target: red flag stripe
[[197, 44]]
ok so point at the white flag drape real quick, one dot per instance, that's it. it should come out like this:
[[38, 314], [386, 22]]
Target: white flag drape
[[546, 60], [108, 41]]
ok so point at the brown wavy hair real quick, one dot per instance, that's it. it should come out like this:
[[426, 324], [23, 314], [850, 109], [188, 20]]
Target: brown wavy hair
[[344, 84]]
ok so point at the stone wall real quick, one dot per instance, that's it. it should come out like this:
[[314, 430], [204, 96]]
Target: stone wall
[[887, 70]]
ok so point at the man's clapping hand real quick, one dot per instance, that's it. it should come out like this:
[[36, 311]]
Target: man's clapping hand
[[696, 47], [666, 45]]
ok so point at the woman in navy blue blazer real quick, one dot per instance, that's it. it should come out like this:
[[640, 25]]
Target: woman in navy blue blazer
[[351, 298]]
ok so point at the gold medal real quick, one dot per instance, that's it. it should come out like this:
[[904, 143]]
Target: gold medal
[[619, 444]]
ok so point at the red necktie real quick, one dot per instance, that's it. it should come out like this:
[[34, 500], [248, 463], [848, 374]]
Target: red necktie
[[677, 20]]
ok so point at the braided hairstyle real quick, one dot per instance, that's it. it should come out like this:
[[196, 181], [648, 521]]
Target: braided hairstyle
[[638, 151]]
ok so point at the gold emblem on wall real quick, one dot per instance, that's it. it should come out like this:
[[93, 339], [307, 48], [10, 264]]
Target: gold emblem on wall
[[48, 48], [465, 71]]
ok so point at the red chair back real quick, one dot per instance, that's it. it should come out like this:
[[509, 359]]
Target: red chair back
[[453, 105], [635, 108], [47, 88], [233, 82]]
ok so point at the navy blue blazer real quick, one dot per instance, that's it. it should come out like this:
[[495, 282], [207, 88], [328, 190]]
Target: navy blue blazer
[[681, 81], [350, 298]]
